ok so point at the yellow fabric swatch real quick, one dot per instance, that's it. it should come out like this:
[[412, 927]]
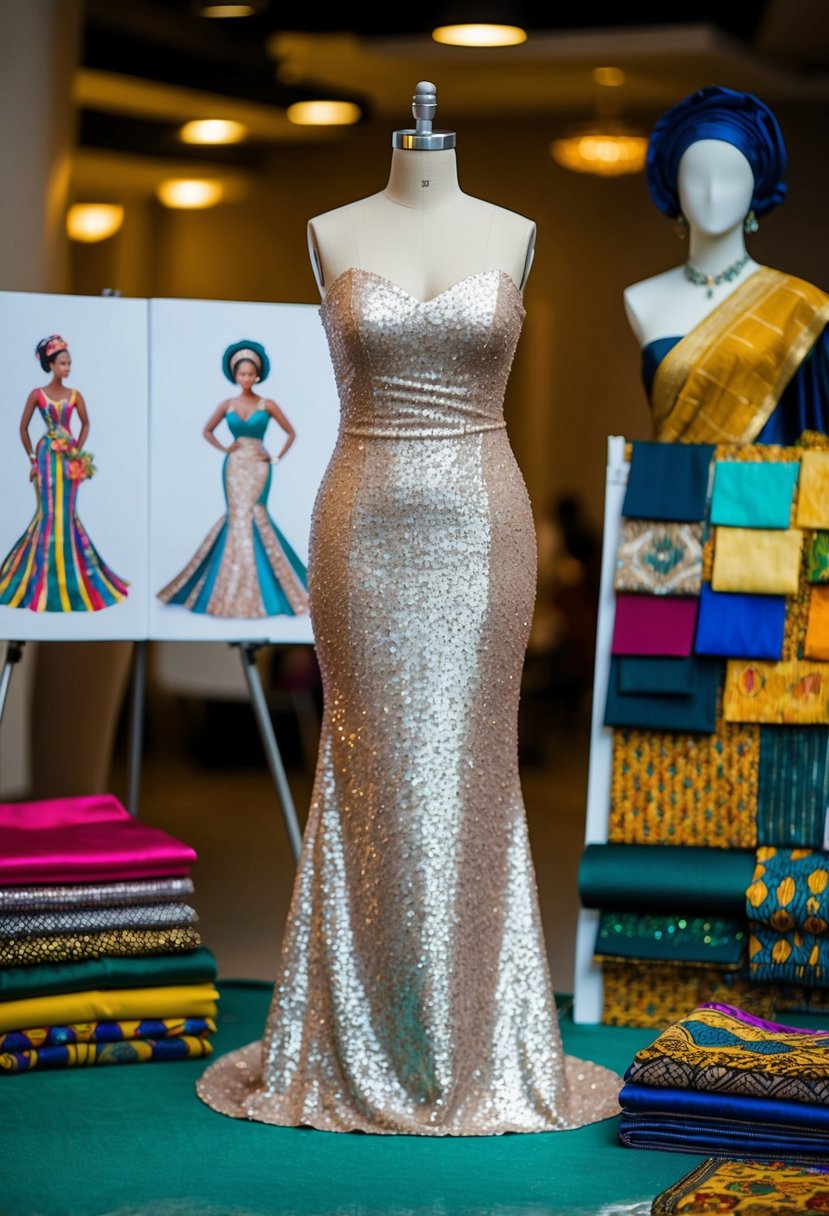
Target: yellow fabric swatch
[[816, 644], [173, 1000], [783, 693], [760, 561], [813, 491]]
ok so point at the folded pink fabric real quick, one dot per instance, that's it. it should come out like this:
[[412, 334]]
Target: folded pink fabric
[[654, 624], [84, 839]]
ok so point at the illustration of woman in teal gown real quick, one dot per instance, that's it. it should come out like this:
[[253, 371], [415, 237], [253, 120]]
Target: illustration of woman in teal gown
[[244, 567]]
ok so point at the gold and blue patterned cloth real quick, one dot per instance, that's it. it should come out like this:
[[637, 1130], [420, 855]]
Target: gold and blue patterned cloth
[[718, 1187], [787, 904]]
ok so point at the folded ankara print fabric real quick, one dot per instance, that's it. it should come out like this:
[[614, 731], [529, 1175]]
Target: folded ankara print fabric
[[721, 1187]]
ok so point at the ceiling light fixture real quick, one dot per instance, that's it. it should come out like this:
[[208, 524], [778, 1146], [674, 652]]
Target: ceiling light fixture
[[213, 131], [89, 222], [190, 193], [607, 146], [479, 34], [323, 113], [226, 10]]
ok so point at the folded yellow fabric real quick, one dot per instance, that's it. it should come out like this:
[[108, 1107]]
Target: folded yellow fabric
[[813, 492], [758, 560], [790, 692], [173, 1000], [816, 642]]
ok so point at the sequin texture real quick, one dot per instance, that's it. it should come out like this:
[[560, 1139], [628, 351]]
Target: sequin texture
[[413, 993]]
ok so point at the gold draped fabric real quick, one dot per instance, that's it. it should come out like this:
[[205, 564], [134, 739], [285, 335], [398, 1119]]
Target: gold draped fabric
[[722, 381]]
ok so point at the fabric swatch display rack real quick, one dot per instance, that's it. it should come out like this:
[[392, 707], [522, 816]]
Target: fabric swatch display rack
[[705, 870]]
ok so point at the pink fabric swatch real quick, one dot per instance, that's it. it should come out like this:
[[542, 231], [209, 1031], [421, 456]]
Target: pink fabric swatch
[[654, 624], [84, 839]]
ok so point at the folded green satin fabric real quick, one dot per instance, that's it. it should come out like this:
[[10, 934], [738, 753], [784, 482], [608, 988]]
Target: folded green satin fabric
[[197, 966], [662, 878]]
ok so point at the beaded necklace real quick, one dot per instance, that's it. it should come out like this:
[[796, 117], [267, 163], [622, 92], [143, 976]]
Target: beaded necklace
[[711, 281]]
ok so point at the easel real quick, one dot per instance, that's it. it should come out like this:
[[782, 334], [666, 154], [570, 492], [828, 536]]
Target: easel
[[138, 687]]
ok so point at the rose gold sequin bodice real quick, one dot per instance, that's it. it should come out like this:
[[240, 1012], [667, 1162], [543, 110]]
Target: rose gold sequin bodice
[[413, 992]]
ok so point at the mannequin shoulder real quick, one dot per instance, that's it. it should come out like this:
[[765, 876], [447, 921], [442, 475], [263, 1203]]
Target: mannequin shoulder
[[646, 301], [510, 237], [331, 237]]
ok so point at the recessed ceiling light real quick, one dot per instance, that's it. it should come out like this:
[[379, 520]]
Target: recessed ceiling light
[[90, 222], [213, 131], [611, 78], [190, 193], [479, 34], [323, 113]]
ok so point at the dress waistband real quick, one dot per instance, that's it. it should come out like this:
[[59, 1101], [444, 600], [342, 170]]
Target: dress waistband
[[376, 432]]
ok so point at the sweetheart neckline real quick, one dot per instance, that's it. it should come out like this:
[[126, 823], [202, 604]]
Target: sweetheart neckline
[[258, 410], [374, 274]]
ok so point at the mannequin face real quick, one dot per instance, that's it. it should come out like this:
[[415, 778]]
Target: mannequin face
[[715, 185]]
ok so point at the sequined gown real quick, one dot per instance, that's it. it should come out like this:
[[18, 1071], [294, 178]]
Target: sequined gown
[[413, 994], [54, 566], [244, 567]]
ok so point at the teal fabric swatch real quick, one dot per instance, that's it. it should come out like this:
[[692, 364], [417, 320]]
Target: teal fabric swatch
[[793, 785], [749, 495]]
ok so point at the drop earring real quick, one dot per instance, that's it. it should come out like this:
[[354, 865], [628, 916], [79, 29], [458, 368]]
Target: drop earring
[[681, 227], [750, 223]]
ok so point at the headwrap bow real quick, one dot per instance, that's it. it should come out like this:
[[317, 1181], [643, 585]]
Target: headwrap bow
[[716, 113]]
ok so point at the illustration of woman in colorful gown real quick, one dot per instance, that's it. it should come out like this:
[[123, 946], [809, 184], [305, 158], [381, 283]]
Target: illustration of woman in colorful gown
[[54, 567], [244, 567]]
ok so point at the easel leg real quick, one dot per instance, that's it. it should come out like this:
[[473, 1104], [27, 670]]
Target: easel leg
[[136, 726], [14, 653], [263, 719]]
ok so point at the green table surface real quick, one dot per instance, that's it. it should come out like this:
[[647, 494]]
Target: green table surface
[[135, 1139]]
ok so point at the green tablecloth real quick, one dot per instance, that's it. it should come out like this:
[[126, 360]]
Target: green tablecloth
[[134, 1140]]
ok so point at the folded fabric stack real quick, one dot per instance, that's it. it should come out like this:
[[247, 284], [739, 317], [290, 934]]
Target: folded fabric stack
[[723, 1083], [100, 960]]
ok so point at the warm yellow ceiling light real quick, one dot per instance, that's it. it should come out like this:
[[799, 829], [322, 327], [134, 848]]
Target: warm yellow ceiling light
[[213, 131], [226, 10], [90, 222], [479, 34], [602, 151], [190, 193], [611, 78], [323, 113]]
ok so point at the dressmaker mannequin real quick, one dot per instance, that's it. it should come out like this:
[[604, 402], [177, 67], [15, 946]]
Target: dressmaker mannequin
[[421, 232], [715, 184], [732, 351]]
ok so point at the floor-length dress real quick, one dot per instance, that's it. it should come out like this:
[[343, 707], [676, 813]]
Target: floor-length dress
[[244, 567], [413, 994], [54, 566]]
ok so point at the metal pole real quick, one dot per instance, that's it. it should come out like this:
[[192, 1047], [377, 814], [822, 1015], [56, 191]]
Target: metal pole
[[14, 653], [136, 724], [272, 754]]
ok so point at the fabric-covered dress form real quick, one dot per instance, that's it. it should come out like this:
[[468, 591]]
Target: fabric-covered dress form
[[244, 567], [413, 994], [54, 566]]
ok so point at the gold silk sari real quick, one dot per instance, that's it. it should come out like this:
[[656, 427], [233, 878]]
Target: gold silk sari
[[722, 381]]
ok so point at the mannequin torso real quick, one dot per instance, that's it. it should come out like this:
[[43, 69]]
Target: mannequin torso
[[422, 232], [715, 187]]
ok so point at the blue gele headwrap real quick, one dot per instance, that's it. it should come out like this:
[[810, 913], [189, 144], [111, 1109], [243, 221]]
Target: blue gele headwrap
[[716, 113], [246, 349]]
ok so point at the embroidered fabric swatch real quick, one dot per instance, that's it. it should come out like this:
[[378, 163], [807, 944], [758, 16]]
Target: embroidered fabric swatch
[[711, 941], [748, 495], [667, 709], [655, 625], [817, 558], [737, 625], [796, 691], [813, 494], [744, 1188], [757, 560], [668, 481], [793, 785], [816, 642], [659, 558]]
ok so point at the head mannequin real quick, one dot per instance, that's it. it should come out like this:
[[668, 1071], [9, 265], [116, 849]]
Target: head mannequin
[[715, 184]]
